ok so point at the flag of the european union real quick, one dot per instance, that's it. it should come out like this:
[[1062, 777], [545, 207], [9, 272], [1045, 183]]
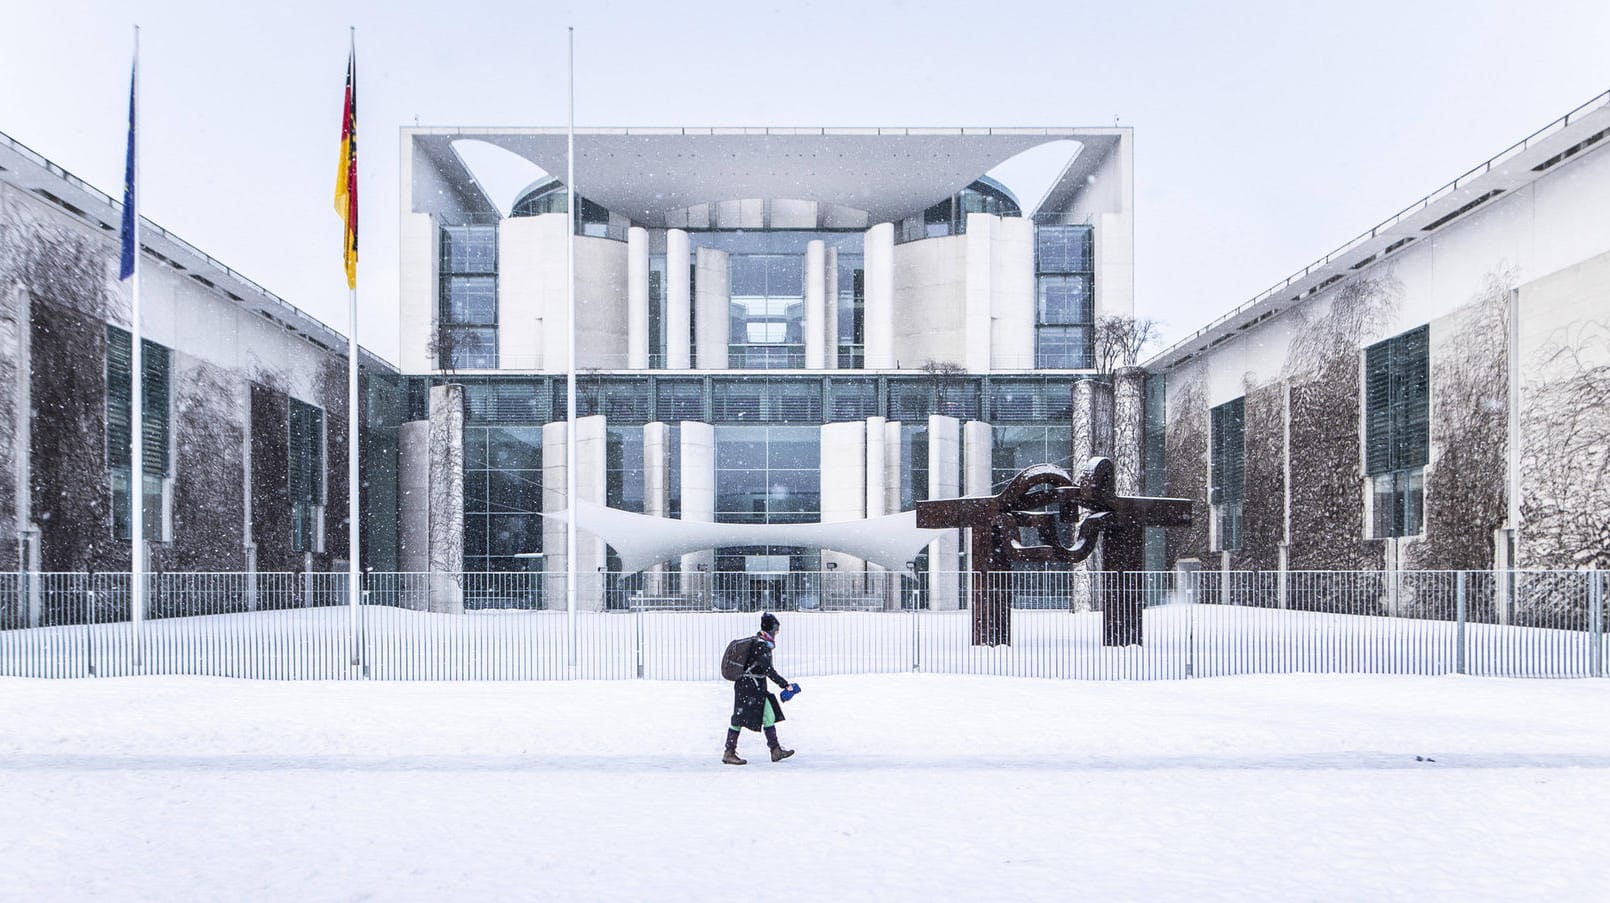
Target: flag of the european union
[[129, 250]]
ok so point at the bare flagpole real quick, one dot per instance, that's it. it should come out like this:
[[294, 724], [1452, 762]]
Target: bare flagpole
[[136, 378], [354, 420], [570, 357]]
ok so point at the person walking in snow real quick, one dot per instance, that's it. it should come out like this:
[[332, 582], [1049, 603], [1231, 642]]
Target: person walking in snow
[[752, 706]]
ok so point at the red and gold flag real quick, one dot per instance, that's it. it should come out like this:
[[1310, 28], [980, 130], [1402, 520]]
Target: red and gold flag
[[346, 181]]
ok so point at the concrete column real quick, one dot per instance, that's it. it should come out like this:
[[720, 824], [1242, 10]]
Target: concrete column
[[893, 467], [678, 302], [637, 298], [446, 494], [879, 303], [656, 491], [1128, 426], [698, 499], [944, 471], [980, 241], [413, 496], [1092, 421], [420, 260], [714, 300], [843, 476], [815, 305], [592, 438], [978, 450], [877, 494], [978, 443], [831, 308]]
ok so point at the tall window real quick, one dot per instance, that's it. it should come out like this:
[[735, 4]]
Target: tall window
[[656, 312], [1065, 309], [852, 312], [768, 474], [467, 318], [767, 319], [502, 498], [154, 362], [305, 464], [1397, 385], [1229, 471]]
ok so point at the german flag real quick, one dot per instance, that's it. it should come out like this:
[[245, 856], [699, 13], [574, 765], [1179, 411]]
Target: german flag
[[346, 180]]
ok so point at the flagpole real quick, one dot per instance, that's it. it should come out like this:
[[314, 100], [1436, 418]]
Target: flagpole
[[136, 381], [570, 357], [354, 418]]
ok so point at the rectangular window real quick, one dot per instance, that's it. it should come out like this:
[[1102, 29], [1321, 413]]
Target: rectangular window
[[155, 364], [467, 315], [767, 401], [305, 473], [1063, 249], [1397, 406], [851, 312], [656, 312], [678, 401], [1228, 451], [1065, 298]]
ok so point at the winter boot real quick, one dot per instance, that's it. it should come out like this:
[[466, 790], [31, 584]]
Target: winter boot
[[777, 752], [729, 756]]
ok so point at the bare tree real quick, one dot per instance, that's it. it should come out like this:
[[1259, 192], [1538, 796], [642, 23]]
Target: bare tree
[[442, 346], [1120, 340], [943, 375], [1566, 451]]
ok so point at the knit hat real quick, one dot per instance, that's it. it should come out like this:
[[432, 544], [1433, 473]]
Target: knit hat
[[768, 622]]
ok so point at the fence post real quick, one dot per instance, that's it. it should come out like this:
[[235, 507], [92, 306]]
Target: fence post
[[1596, 622], [916, 639], [637, 639], [89, 631], [1191, 577], [1459, 614], [363, 634]]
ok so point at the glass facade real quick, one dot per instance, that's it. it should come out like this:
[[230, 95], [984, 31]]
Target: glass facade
[[768, 474], [1397, 414], [305, 475], [1016, 447], [1065, 297], [851, 311], [1228, 460], [949, 217], [467, 315], [502, 497], [767, 312]]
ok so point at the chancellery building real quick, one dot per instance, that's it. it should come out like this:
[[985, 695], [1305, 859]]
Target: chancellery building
[[787, 338]]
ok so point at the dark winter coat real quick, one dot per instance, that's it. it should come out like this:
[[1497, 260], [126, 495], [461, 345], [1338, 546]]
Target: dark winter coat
[[749, 691]]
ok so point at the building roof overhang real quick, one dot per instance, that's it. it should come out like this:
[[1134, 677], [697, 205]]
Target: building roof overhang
[[889, 173]]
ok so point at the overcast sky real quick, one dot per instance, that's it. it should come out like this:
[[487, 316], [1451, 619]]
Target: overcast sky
[[1267, 133]]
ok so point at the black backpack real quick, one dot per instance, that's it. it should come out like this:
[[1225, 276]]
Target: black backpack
[[736, 659]]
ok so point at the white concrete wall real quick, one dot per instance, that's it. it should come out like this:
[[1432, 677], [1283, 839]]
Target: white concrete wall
[[1011, 297], [979, 243], [601, 280], [876, 469], [930, 303], [879, 264], [419, 261], [714, 299], [978, 442], [531, 272]]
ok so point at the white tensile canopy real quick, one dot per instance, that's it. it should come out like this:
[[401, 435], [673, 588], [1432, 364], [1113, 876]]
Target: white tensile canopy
[[643, 541]]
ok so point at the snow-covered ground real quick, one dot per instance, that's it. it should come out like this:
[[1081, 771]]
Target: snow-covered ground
[[906, 787]]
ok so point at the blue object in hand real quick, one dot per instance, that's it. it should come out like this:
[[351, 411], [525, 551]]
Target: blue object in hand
[[790, 693]]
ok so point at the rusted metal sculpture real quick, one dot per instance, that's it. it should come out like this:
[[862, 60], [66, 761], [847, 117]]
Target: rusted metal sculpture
[[1027, 521]]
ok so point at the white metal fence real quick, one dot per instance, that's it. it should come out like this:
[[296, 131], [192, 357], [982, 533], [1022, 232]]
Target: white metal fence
[[665, 626]]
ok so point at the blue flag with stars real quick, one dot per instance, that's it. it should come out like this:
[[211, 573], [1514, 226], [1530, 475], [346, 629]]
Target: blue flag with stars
[[130, 251]]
